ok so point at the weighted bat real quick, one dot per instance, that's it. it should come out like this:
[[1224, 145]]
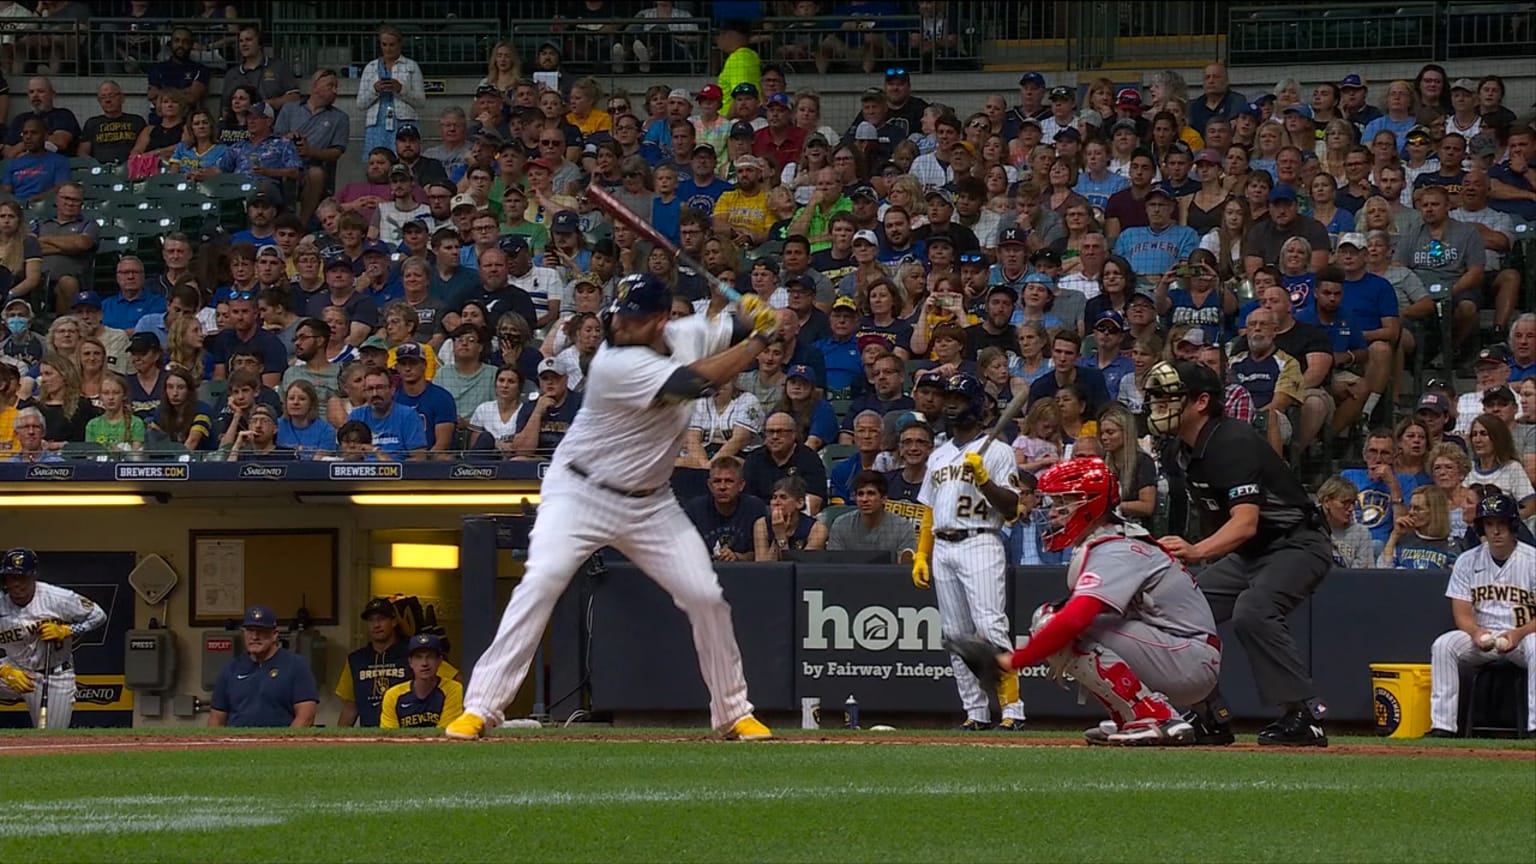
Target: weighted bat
[[621, 212]]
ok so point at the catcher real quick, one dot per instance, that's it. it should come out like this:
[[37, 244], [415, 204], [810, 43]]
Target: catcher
[[1135, 631]]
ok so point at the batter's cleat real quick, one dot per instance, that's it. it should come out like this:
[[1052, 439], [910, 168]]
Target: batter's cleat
[[972, 725], [1173, 732], [749, 728], [1440, 733], [1209, 734], [1296, 728], [1098, 736], [1010, 724], [467, 727]]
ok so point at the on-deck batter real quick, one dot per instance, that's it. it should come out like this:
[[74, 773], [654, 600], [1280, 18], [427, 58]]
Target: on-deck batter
[[36, 623], [608, 486], [970, 490]]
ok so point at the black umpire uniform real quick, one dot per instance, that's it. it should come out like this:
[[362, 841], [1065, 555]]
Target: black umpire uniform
[[1259, 583]]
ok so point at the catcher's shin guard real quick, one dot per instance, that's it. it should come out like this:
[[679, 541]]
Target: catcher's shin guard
[[1102, 673]]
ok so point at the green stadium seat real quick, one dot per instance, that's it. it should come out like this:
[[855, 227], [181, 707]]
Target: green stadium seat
[[213, 392], [829, 515], [83, 450]]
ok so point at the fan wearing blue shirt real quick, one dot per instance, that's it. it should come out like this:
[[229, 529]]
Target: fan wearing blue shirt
[[397, 429], [245, 332], [123, 310], [439, 415], [1381, 488], [840, 351], [34, 173], [1161, 243], [703, 189]]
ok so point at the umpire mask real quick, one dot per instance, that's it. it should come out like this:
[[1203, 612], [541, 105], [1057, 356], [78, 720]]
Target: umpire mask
[[1165, 393]]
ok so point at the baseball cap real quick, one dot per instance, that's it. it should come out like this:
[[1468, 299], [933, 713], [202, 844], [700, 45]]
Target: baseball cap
[[261, 198], [1160, 191], [846, 304], [1034, 78], [378, 606], [548, 365], [418, 226], [742, 129], [928, 378], [87, 298], [745, 88], [867, 339], [512, 243], [1420, 133], [801, 371], [864, 190], [258, 616], [409, 351], [399, 171], [711, 92], [872, 94], [779, 99], [374, 342], [1252, 109], [1193, 336], [541, 162], [1062, 93], [803, 282], [260, 109], [408, 130], [1001, 288], [274, 252], [1352, 82], [866, 131], [1068, 133], [1011, 237], [462, 200], [1282, 193], [565, 221], [1481, 145], [338, 261], [425, 642], [1089, 116], [766, 262], [1128, 97], [1110, 316], [1435, 402], [142, 341], [19, 562], [942, 194], [487, 90], [1138, 297], [1035, 277], [18, 302], [866, 236], [1499, 395], [1126, 125], [1298, 108], [1495, 353], [707, 148], [1045, 255], [1352, 238], [940, 237], [1035, 121], [1466, 84], [680, 93], [1207, 154]]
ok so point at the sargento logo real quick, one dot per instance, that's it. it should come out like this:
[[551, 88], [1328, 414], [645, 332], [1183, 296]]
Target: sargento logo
[[367, 471], [472, 472], [50, 472], [263, 472], [871, 628], [99, 695], [150, 471]]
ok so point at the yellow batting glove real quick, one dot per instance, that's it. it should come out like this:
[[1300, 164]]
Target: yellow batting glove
[[978, 470], [52, 631], [920, 575], [15, 680], [763, 318]]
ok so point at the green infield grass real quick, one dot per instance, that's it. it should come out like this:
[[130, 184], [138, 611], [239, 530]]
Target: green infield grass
[[601, 798]]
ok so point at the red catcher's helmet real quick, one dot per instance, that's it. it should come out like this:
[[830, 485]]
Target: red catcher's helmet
[[1082, 491]]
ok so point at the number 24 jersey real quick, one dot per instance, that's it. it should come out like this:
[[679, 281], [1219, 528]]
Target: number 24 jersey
[[950, 490]]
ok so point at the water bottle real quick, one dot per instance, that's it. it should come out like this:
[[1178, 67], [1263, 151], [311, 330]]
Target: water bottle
[[851, 713], [389, 117]]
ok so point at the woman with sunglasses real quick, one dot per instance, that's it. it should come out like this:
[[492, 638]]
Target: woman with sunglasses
[[1496, 464]]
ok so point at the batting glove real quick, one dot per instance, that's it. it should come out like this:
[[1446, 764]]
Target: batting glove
[[52, 631], [763, 318], [920, 575], [15, 680], [978, 470]]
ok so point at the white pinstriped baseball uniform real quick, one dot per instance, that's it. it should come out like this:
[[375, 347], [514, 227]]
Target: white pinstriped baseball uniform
[[1502, 598], [969, 575], [623, 438], [53, 661]]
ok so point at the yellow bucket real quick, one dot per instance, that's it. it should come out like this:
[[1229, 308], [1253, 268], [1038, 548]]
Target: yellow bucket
[[1400, 693]]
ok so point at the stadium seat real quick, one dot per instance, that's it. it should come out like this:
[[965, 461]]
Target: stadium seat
[[212, 392], [83, 450], [832, 511]]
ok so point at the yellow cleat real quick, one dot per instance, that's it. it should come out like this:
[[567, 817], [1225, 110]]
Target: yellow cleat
[[749, 728], [468, 727]]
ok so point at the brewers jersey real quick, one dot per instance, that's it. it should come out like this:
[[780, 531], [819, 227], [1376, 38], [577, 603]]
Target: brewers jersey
[[626, 435], [369, 674], [950, 490], [1502, 598], [1140, 581], [18, 626], [403, 709]]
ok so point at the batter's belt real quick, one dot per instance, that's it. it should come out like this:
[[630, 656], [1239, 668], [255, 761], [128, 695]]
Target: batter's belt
[[957, 535], [627, 493]]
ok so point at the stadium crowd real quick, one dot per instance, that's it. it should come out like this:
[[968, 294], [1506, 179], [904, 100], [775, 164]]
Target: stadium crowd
[[1340, 253]]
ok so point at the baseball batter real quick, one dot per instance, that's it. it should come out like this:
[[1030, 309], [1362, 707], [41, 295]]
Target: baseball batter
[[1135, 631], [608, 486], [36, 623], [970, 491], [1493, 602]]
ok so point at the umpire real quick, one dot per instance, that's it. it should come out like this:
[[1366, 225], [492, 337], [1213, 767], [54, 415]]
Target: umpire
[[1266, 541]]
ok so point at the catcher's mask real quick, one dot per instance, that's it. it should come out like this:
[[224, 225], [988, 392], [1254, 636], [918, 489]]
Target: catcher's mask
[[1076, 495], [1169, 388]]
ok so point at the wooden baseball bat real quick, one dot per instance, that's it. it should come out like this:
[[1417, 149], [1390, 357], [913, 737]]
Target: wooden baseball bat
[[1015, 405], [621, 212], [42, 697]]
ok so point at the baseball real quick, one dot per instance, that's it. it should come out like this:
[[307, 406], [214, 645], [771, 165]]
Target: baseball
[[1485, 641], [1502, 643]]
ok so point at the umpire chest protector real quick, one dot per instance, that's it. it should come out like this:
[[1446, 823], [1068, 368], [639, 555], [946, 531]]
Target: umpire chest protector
[[1230, 464]]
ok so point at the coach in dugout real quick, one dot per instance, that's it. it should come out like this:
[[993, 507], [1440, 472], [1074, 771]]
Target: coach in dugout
[[267, 686]]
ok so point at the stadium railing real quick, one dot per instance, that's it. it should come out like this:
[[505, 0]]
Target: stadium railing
[[441, 47], [582, 50]]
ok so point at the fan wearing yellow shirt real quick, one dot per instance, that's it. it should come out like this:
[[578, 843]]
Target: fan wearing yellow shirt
[[742, 65], [427, 700], [742, 213]]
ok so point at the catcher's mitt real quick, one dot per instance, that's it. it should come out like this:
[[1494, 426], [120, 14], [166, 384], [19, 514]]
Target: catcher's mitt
[[978, 655]]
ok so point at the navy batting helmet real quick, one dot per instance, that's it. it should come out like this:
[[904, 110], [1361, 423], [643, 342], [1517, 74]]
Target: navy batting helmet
[[641, 294], [20, 561], [1495, 505], [970, 389]]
